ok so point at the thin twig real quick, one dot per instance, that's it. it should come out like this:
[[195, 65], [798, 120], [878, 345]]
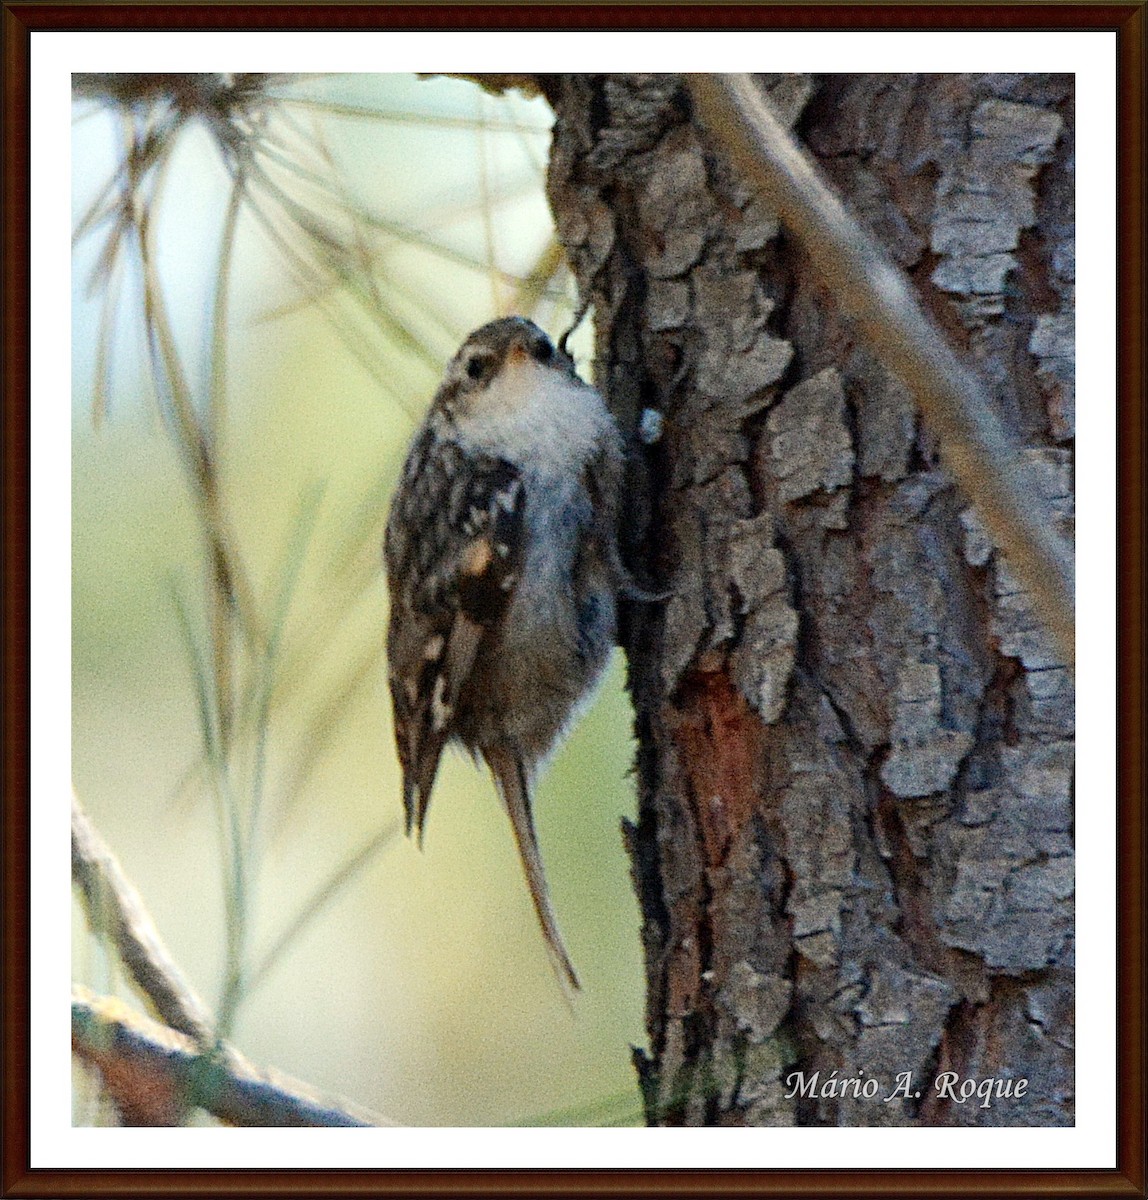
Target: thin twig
[[537, 283], [115, 909], [152, 1072], [874, 293]]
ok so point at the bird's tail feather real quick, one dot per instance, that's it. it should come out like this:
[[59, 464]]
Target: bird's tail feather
[[513, 784]]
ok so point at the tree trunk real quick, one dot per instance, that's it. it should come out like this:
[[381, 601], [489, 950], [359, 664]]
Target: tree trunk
[[854, 844]]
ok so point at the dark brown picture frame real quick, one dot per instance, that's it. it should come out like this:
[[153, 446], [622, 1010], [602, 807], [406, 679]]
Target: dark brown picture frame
[[20, 20]]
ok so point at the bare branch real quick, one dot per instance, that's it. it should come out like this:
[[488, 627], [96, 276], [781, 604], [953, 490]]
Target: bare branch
[[154, 1072], [151, 1073], [115, 909], [874, 293]]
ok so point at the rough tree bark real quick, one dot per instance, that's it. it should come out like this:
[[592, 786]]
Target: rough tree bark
[[854, 845]]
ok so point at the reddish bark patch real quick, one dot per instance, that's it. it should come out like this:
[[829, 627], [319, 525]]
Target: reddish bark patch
[[959, 1051], [720, 738], [143, 1093]]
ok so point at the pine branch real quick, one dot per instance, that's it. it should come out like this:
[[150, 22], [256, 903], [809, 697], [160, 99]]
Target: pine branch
[[152, 1073]]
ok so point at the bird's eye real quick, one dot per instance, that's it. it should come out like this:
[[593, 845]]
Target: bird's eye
[[543, 350], [476, 367]]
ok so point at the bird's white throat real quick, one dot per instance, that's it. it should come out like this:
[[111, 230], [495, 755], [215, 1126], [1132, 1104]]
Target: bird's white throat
[[537, 417]]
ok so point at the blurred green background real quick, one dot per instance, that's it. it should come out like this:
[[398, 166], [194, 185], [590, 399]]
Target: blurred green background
[[389, 216]]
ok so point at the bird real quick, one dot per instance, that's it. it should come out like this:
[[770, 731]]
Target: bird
[[504, 574]]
